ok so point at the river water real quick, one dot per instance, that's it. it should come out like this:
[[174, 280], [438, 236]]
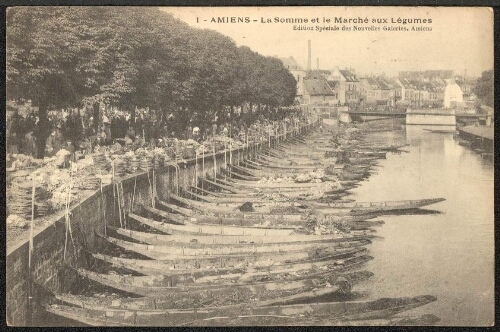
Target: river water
[[449, 255]]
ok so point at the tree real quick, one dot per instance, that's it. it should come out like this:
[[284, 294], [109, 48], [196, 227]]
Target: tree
[[40, 67], [484, 88], [134, 57]]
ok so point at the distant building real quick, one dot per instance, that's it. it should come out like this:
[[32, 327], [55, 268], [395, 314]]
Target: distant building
[[319, 73], [347, 85], [407, 91], [397, 89], [452, 95], [298, 73], [376, 91], [426, 74], [318, 92], [367, 89], [467, 86], [422, 93]]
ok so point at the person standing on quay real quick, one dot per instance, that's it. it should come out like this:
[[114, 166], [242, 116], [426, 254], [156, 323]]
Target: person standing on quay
[[29, 143], [54, 142]]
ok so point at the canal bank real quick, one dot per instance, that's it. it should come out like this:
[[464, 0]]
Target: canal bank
[[448, 254], [59, 241], [481, 138]]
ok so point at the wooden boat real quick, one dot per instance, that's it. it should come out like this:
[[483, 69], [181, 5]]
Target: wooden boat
[[227, 210], [218, 229], [194, 228], [341, 312], [238, 175], [289, 161], [334, 208], [420, 320], [266, 196], [379, 207], [253, 184], [210, 241], [265, 210], [311, 159], [175, 208], [239, 172], [202, 198], [379, 319], [151, 286], [256, 220], [295, 168], [268, 262], [160, 284], [86, 316], [180, 251], [260, 172], [113, 311], [197, 211], [252, 187], [207, 192], [178, 302], [225, 187], [171, 217], [222, 199]]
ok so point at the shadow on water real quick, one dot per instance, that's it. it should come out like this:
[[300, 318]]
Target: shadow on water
[[413, 212], [336, 297]]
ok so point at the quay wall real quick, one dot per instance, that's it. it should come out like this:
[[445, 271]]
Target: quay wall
[[344, 117], [438, 117], [90, 215]]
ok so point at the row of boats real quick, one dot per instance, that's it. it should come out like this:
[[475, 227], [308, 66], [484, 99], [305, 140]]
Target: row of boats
[[234, 250]]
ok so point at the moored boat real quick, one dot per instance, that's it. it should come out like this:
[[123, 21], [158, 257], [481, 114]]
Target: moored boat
[[180, 282], [178, 251], [207, 241], [157, 286], [113, 312], [214, 266], [213, 244], [195, 228]]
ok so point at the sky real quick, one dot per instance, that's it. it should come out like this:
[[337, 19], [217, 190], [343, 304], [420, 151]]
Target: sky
[[461, 38]]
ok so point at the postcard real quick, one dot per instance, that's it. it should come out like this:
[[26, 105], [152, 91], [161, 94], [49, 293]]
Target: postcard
[[250, 166]]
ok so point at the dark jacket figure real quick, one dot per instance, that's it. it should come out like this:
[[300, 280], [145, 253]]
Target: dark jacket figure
[[131, 133], [13, 143], [29, 144], [107, 132], [54, 142]]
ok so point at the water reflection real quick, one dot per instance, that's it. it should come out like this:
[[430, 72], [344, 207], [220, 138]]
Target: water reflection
[[451, 254]]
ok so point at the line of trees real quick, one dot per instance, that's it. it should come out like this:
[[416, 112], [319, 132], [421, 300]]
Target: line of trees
[[130, 57], [484, 88]]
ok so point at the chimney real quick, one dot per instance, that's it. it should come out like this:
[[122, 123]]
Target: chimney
[[317, 63], [308, 56]]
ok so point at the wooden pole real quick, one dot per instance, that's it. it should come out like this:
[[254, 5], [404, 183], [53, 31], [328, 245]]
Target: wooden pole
[[230, 148], [225, 154], [196, 168], [114, 203], [119, 203], [203, 167], [154, 187], [30, 257], [215, 162], [133, 196], [103, 209]]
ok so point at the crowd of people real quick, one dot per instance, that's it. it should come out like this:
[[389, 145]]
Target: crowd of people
[[77, 131]]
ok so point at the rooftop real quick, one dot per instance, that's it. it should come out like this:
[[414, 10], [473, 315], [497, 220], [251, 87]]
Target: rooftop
[[318, 87], [290, 63], [349, 76]]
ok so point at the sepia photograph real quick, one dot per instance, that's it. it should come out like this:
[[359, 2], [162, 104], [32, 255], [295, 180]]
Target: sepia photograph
[[249, 166]]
